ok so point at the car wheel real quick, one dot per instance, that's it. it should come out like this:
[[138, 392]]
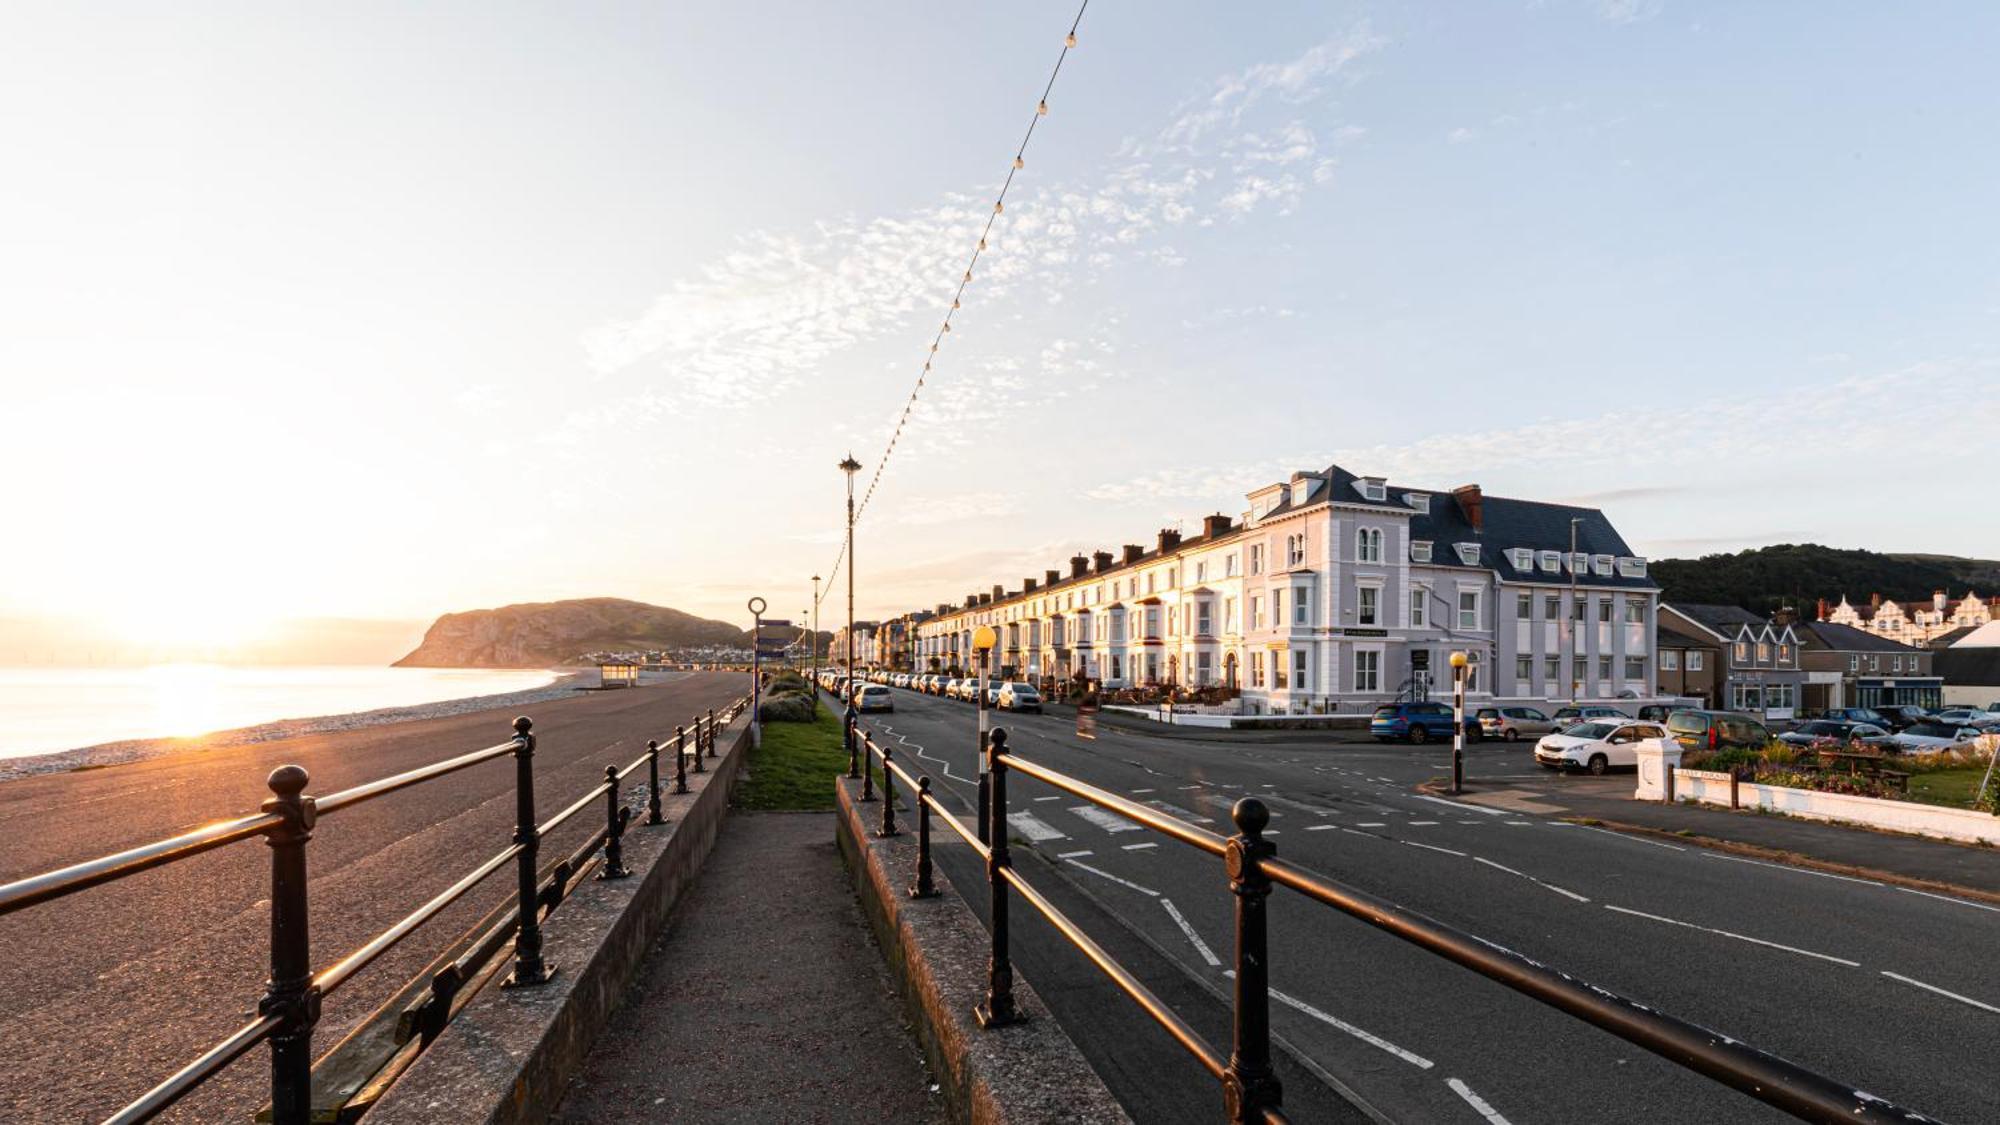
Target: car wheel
[[1512, 735], [1598, 764], [1545, 765], [1419, 735]]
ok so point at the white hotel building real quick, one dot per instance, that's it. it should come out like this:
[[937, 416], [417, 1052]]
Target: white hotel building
[[1334, 593]]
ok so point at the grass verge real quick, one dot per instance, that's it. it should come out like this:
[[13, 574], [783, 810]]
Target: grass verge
[[793, 770], [1946, 787]]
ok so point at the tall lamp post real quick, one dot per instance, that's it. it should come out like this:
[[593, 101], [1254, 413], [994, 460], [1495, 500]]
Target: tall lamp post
[[815, 648], [756, 607], [1458, 661], [850, 467], [983, 639], [1575, 634]]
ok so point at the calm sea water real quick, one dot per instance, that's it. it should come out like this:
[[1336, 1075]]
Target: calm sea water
[[49, 709]]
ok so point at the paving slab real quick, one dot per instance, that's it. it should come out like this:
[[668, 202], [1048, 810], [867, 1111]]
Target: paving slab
[[765, 998]]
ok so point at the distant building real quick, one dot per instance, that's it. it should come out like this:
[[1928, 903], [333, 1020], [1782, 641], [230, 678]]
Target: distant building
[[1970, 668], [1760, 673], [1850, 667], [1912, 623]]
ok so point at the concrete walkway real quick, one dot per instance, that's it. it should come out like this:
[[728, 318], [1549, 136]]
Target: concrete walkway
[[765, 999]]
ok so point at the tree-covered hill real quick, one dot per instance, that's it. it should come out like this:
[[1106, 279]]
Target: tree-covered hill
[[1799, 574]]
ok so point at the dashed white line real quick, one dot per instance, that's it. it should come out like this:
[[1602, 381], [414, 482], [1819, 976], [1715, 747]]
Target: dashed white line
[[1140, 847], [1176, 810], [1948, 898], [1057, 797], [1520, 823], [1421, 823], [1410, 1057], [1940, 991], [1531, 879], [1459, 805], [1434, 848], [1200, 946], [1110, 822], [1321, 827], [1142, 790], [1738, 937], [1477, 1103], [1190, 787], [1788, 867], [1073, 855], [1620, 835], [1370, 824], [1121, 882]]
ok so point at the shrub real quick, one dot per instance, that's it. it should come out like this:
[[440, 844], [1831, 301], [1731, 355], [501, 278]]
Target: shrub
[[1732, 760], [789, 708], [1781, 754], [787, 683]]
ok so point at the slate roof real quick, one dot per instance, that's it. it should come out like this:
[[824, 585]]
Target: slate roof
[[1973, 667], [1670, 634], [1946, 640], [1846, 638], [1723, 619]]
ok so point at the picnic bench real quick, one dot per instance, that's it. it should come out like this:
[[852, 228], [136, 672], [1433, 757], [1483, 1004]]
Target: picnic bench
[[1865, 765]]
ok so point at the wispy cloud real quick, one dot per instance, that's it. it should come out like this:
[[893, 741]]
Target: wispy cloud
[[753, 323], [1627, 11]]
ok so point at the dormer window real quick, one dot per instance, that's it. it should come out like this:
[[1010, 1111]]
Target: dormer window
[[1579, 562], [1631, 568], [1468, 553], [1420, 550], [1600, 565], [1551, 561], [1418, 501], [1521, 558], [1373, 488]]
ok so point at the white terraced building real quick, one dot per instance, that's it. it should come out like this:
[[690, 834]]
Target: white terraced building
[[1334, 593]]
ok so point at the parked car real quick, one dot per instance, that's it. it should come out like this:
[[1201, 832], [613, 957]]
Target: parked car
[[1717, 730], [1819, 730], [1511, 723], [1583, 712], [1417, 722], [1020, 697], [1925, 738], [1904, 716], [1858, 715], [1596, 745], [992, 692], [874, 697], [1964, 716], [1655, 712]]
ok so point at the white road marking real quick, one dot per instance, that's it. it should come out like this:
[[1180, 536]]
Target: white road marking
[[1434, 848], [1110, 822], [1057, 797], [1184, 814], [1200, 946], [1620, 835], [1370, 824], [1140, 847], [1410, 1057], [1190, 787], [1073, 855], [1788, 867], [1520, 823], [1121, 882], [1320, 827], [1142, 790], [1738, 937], [1459, 805], [1940, 991], [1948, 898], [1421, 823], [1034, 828], [1531, 879], [1477, 1103], [1300, 805]]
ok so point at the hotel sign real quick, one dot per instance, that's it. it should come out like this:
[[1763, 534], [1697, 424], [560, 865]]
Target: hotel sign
[[1362, 632]]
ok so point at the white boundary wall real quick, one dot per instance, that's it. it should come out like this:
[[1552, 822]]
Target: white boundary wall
[[1965, 825]]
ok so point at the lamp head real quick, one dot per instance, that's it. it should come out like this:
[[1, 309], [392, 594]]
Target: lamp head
[[1458, 659], [850, 466], [984, 638]]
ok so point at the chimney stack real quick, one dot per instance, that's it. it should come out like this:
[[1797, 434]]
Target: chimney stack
[[999, 592], [1027, 585], [1051, 577], [1822, 609], [1212, 526], [1874, 601], [1169, 539], [1786, 615], [1102, 559], [1133, 553], [1079, 565], [1938, 601], [1471, 501]]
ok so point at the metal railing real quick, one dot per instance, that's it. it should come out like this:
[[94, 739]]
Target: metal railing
[[1251, 1089], [290, 1006]]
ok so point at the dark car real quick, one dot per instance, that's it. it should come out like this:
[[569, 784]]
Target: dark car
[[1904, 716], [1717, 730], [1655, 713], [1417, 722], [1858, 715], [1834, 730]]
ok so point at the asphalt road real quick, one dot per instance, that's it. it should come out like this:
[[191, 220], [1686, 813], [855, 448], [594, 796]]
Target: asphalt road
[[106, 992], [1893, 991]]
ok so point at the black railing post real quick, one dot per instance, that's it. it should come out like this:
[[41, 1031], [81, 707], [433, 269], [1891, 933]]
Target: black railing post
[[528, 966], [653, 815], [711, 732], [289, 993], [998, 1008], [853, 752], [681, 759], [614, 830], [888, 796], [923, 888], [698, 767], [1250, 1086], [867, 759], [982, 802]]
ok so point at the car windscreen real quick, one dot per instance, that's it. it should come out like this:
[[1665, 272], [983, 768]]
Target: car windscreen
[[1687, 721], [1385, 712], [1825, 728], [1933, 730], [1591, 730]]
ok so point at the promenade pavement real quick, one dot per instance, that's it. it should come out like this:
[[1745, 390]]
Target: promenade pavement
[[765, 999]]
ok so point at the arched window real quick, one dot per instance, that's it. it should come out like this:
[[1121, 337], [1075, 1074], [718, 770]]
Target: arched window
[[1472, 671], [1368, 545]]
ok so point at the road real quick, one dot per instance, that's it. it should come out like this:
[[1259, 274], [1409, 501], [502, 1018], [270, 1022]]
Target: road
[[1894, 991], [106, 992]]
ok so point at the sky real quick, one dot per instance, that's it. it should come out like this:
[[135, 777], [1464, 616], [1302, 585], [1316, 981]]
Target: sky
[[372, 312]]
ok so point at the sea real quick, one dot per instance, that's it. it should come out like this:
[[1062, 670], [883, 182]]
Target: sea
[[44, 710]]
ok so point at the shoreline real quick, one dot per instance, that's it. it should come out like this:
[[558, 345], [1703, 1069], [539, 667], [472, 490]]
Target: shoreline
[[144, 749]]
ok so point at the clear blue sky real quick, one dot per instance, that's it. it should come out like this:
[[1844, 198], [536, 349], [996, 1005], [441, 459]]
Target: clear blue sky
[[382, 311]]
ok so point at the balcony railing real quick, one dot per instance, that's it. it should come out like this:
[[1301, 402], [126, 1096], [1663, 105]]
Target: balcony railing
[[294, 994], [1251, 868]]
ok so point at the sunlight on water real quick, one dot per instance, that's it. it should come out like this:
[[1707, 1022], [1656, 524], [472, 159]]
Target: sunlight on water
[[51, 709]]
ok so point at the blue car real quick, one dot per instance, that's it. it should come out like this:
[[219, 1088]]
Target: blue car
[[1417, 722]]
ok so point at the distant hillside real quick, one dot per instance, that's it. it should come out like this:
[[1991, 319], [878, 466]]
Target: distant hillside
[[1799, 574], [544, 634]]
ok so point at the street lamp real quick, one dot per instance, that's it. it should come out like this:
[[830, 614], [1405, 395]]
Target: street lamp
[[851, 467], [1458, 662], [983, 639], [815, 648], [1575, 637]]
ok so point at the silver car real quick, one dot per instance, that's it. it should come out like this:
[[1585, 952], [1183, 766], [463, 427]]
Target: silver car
[[1513, 723]]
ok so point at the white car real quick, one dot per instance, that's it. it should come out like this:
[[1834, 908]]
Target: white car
[[1928, 738], [1964, 716], [874, 697], [1595, 745]]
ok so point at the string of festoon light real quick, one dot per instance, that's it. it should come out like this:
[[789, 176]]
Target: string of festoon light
[[965, 279]]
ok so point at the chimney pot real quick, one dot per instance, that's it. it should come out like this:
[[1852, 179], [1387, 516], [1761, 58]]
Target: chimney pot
[[1133, 553], [1212, 526], [1079, 565], [1169, 539], [1101, 561]]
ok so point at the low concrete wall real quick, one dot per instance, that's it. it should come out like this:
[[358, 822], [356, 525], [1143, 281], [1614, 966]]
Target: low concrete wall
[[1024, 1074], [1964, 825], [509, 1054]]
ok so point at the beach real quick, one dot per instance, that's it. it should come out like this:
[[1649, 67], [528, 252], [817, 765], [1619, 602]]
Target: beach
[[104, 754]]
